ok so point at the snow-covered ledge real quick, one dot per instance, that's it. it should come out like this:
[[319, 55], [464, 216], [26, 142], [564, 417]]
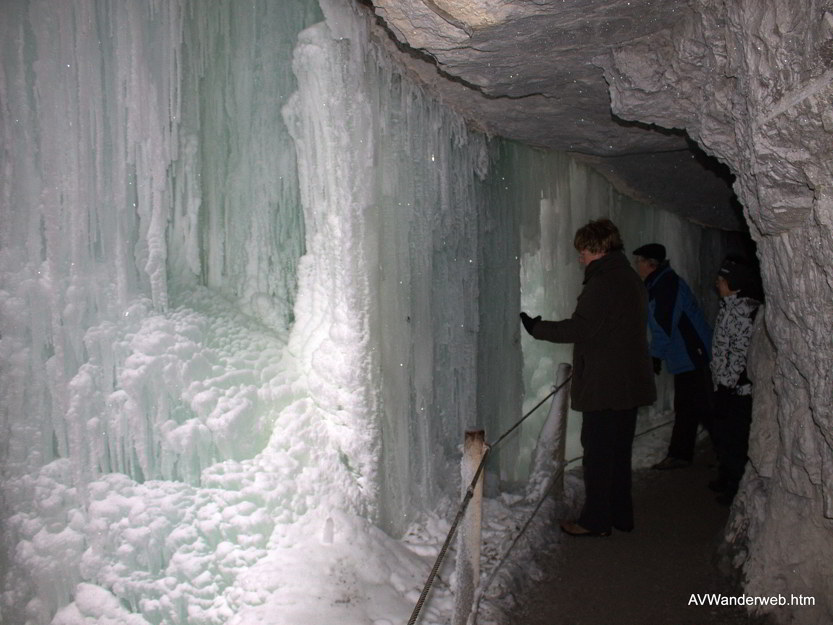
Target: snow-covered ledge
[[751, 82]]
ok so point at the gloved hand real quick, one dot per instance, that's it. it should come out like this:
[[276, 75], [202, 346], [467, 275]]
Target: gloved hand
[[529, 322], [657, 366]]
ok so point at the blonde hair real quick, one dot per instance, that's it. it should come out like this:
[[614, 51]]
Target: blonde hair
[[598, 237]]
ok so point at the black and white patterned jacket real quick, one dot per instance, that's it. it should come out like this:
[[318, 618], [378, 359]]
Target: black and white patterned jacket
[[730, 343]]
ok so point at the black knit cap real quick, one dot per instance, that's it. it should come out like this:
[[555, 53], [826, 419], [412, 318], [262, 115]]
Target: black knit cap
[[738, 274], [654, 251]]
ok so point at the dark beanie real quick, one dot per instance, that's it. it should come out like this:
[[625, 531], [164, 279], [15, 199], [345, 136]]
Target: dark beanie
[[654, 251], [739, 276]]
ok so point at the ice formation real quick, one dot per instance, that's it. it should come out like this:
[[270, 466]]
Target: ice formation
[[255, 286]]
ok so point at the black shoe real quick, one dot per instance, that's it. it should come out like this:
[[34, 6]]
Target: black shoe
[[671, 463], [574, 529]]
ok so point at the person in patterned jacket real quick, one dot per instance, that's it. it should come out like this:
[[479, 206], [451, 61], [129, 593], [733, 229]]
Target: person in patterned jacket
[[736, 285]]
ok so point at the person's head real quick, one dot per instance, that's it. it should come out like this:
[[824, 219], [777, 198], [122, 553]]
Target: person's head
[[735, 276], [648, 258], [597, 238], [722, 286]]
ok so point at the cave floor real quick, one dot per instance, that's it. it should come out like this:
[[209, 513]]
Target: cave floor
[[648, 576]]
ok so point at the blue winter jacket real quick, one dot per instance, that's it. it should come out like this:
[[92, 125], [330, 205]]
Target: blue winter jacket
[[680, 334]]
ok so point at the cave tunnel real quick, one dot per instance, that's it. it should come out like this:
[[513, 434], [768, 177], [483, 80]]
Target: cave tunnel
[[261, 266]]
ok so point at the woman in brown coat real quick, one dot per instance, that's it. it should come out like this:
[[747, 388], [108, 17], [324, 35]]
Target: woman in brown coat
[[612, 374]]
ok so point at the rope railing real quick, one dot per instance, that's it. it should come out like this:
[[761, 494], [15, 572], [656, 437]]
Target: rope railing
[[466, 499], [529, 413], [493, 575], [460, 512], [470, 493]]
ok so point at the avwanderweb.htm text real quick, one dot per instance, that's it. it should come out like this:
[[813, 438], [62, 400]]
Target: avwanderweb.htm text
[[748, 600]]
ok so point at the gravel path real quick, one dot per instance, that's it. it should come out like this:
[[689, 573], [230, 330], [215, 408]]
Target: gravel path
[[646, 577]]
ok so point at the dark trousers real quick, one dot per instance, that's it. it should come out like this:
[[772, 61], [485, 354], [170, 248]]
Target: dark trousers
[[732, 419], [607, 438], [692, 406]]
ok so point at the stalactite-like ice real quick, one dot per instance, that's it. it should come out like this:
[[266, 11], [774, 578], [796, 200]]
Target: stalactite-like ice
[[255, 286]]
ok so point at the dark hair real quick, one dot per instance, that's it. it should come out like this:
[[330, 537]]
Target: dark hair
[[598, 236]]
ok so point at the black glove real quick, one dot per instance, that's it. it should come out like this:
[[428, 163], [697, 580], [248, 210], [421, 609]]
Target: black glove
[[657, 366], [529, 322]]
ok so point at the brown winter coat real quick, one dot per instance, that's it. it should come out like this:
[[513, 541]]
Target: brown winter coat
[[612, 367]]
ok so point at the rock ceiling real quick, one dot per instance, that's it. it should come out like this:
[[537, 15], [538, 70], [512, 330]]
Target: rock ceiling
[[532, 71]]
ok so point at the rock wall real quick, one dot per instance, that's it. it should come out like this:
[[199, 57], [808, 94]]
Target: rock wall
[[752, 82]]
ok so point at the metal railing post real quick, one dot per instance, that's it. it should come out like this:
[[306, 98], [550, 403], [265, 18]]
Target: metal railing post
[[468, 541]]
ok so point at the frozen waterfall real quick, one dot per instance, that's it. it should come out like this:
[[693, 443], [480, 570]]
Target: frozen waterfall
[[254, 286]]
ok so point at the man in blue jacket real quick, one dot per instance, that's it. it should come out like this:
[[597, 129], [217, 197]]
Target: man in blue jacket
[[680, 337]]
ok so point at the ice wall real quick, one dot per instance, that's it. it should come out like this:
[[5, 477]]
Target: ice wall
[[255, 285], [139, 166], [411, 254], [144, 155], [237, 224], [90, 98], [160, 239]]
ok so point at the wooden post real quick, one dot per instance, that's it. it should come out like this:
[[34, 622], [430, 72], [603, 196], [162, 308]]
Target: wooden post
[[468, 540]]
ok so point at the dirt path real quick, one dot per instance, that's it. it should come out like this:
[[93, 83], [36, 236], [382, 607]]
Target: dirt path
[[646, 577]]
